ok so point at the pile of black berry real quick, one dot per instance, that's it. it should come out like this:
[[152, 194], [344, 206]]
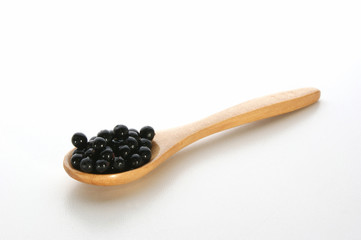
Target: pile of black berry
[[112, 151]]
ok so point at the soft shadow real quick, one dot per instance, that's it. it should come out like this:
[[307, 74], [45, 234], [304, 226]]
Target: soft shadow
[[113, 202]]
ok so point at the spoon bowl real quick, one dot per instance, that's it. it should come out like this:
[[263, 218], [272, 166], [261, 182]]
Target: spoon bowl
[[113, 178], [168, 142]]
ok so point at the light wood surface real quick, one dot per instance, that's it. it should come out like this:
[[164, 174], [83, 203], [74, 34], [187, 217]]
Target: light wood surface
[[168, 142]]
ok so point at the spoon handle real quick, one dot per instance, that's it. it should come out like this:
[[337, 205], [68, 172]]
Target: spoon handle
[[250, 111]]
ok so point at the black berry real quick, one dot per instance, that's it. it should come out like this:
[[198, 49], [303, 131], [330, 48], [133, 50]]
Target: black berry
[[119, 164], [99, 143], [111, 132], [145, 154], [101, 166], [124, 151], [79, 140], [86, 165], [146, 142], [135, 161], [120, 132], [132, 143], [78, 151], [147, 132], [90, 142], [105, 134], [75, 160], [107, 154], [115, 143], [133, 134], [90, 152], [134, 130]]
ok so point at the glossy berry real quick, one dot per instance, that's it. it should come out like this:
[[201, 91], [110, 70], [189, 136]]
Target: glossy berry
[[105, 134], [115, 143], [124, 151], [75, 160], [120, 132], [145, 154], [86, 165], [79, 140], [132, 143], [101, 166], [90, 142], [99, 143], [78, 151], [135, 161], [133, 134], [134, 130], [115, 147], [90, 152], [111, 133], [146, 143], [147, 132], [119, 164], [107, 154]]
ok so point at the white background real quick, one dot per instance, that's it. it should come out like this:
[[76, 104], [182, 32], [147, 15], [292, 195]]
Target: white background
[[68, 66]]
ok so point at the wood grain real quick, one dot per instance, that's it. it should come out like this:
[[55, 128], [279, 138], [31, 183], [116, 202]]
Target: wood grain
[[168, 142]]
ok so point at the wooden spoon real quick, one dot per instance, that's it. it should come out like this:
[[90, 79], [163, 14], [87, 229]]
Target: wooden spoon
[[168, 142]]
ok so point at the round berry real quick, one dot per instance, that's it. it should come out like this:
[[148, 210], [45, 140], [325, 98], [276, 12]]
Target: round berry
[[90, 142], [147, 132], [132, 143], [146, 142], [120, 131], [111, 132], [135, 161], [134, 130], [78, 151], [145, 153], [105, 134], [86, 165], [107, 154], [90, 152], [119, 164], [75, 160], [101, 166], [124, 151], [79, 140], [115, 143], [133, 134], [99, 143]]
